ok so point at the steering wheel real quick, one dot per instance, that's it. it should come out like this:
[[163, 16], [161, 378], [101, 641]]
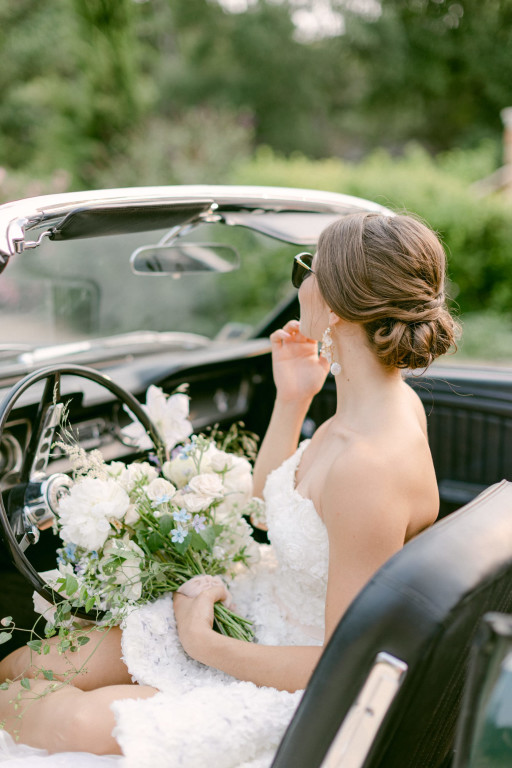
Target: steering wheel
[[32, 503]]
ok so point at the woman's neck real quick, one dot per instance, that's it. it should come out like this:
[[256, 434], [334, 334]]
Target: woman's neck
[[364, 383]]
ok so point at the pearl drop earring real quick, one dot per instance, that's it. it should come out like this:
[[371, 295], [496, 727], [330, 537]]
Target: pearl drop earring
[[326, 351]]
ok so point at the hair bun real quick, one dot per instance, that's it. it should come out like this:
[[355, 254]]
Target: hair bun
[[413, 344]]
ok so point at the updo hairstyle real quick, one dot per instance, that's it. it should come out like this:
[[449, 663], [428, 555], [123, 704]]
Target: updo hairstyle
[[388, 273]]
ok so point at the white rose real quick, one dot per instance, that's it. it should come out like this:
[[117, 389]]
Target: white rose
[[168, 414], [115, 468], [84, 514], [131, 515], [237, 483], [182, 467], [202, 491], [160, 488], [221, 461], [179, 470], [136, 473]]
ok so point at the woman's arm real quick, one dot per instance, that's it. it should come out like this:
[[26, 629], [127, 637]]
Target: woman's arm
[[366, 524], [285, 668], [299, 374]]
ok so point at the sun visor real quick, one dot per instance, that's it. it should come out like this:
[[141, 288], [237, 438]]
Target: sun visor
[[296, 227], [122, 218]]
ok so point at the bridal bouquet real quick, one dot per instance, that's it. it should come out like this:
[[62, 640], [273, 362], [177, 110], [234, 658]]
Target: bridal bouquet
[[132, 532]]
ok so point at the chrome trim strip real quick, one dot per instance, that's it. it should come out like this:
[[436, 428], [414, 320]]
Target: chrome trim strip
[[357, 732]]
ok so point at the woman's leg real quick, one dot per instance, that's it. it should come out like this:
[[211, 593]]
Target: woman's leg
[[67, 719], [94, 665]]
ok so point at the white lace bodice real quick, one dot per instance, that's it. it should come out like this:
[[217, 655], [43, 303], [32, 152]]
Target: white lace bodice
[[299, 540], [285, 594]]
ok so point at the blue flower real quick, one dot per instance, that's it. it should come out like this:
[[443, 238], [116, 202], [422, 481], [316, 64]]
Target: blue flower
[[70, 551], [182, 516], [199, 523], [161, 500], [178, 535]]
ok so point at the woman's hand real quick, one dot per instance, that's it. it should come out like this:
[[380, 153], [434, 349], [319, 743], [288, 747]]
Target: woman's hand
[[193, 610], [299, 371]]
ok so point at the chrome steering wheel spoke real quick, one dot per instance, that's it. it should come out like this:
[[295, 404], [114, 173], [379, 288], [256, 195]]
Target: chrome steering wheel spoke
[[48, 418]]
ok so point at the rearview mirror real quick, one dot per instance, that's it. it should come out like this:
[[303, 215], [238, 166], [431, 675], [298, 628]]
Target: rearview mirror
[[185, 258]]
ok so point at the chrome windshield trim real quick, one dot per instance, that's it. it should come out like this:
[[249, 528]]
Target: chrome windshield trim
[[22, 215]]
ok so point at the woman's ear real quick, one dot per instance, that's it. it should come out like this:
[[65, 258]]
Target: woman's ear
[[334, 319]]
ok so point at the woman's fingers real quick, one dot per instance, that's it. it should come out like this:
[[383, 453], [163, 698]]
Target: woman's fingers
[[213, 584], [290, 332]]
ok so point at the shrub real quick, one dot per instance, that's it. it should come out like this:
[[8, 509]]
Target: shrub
[[477, 232]]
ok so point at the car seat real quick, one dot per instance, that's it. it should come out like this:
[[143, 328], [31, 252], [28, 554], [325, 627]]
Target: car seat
[[386, 692]]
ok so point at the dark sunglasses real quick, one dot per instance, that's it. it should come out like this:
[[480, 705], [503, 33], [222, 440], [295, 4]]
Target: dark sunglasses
[[301, 268]]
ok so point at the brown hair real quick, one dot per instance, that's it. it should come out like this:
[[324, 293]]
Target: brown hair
[[388, 274]]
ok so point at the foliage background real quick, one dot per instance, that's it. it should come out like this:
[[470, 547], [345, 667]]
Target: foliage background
[[398, 101]]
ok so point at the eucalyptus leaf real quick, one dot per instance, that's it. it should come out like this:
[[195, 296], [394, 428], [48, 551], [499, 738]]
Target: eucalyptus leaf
[[182, 546], [197, 542], [165, 524], [154, 542], [208, 536]]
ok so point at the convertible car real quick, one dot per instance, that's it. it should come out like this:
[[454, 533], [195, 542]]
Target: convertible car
[[104, 293]]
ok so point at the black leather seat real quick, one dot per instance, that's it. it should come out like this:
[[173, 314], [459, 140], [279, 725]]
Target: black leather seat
[[422, 607]]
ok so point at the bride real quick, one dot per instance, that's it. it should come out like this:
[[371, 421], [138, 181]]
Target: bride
[[337, 507]]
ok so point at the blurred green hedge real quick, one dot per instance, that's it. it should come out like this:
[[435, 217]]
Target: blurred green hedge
[[477, 232]]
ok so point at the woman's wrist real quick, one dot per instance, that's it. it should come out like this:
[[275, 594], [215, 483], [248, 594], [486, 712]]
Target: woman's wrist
[[207, 646], [291, 405]]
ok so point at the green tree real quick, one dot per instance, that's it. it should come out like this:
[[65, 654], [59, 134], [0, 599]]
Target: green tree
[[439, 71]]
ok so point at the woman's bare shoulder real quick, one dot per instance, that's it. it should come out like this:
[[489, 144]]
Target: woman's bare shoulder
[[389, 475]]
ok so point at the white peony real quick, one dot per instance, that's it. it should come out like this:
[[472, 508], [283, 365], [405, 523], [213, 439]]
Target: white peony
[[169, 414], [128, 572], [136, 473], [202, 491], [85, 513], [159, 489]]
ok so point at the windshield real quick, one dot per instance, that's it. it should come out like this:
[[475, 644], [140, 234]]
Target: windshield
[[85, 289]]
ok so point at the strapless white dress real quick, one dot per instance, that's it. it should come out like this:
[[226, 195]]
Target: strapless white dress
[[202, 716]]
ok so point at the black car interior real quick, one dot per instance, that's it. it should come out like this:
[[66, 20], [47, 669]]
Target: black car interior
[[421, 609]]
